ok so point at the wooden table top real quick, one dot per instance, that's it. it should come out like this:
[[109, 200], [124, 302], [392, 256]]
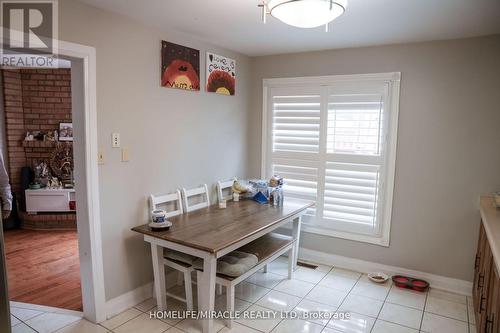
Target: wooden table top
[[212, 229]]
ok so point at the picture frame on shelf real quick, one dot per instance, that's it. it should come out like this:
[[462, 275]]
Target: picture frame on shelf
[[65, 131]]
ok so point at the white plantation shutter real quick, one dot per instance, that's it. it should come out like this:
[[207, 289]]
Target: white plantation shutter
[[296, 122], [295, 141], [350, 196], [334, 143]]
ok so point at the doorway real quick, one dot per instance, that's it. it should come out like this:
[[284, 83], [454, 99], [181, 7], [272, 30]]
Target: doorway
[[41, 240], [83, 82]]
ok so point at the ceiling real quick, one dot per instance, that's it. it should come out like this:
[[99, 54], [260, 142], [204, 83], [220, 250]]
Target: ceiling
[[237, 25]]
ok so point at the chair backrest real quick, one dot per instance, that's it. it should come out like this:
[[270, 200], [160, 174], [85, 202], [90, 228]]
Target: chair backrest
[[197, 191], [165, 199], [221, 186]]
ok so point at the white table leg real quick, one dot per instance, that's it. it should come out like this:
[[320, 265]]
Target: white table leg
[[206, 291], [296, 236], [159, 276]]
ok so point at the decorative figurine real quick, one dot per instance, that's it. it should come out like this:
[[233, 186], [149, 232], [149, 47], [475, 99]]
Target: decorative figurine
[[49, 137], [54, 183], [42, 173], [61, 163]]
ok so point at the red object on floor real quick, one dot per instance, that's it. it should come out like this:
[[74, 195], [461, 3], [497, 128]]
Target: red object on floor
[[410, 283]]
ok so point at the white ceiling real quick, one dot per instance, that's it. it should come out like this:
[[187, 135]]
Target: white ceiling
[[237, 25]]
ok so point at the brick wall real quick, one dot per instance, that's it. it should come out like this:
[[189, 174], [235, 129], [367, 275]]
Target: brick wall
[[34, 99]]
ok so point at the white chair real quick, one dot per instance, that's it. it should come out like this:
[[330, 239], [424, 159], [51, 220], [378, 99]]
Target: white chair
[[201, 191], [180, 265], [221, 186], [197, 191]]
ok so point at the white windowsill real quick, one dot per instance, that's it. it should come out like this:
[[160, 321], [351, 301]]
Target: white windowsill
[[376, 240]]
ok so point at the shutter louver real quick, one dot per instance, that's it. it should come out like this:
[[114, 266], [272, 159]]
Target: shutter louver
[[296, 123], [301, 179], [351, 192]]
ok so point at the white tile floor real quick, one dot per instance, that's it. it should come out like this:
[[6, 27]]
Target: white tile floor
[[373, 308]]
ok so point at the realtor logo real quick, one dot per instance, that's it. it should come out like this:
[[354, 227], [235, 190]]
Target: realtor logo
[[29, 32]]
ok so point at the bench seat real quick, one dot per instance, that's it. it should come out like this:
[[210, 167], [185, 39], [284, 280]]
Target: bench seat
[[267, 248]]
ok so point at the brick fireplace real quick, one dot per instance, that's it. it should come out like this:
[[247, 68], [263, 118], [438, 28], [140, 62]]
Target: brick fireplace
[[35, 100]]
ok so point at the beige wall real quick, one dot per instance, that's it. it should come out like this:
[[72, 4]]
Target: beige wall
[[176, 138], [448, 145]]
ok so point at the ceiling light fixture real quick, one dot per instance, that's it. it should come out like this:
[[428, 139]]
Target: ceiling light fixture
[[304, 13]]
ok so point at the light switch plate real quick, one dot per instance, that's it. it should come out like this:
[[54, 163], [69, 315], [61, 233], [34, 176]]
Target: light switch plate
[[100, 157], [115, 140], [125, 155]]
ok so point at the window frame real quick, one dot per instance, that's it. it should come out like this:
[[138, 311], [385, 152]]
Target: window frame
[[321, 83]]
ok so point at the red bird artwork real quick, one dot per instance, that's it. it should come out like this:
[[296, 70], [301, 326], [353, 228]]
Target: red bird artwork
[[180, 74], [180, 67]]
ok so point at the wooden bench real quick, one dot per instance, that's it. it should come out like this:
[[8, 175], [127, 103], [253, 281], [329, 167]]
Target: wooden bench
[[267, 248]]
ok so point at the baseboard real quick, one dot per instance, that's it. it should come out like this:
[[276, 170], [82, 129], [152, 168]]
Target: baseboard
[[44, 308], [436, 281], [129, 299], [132, 298]]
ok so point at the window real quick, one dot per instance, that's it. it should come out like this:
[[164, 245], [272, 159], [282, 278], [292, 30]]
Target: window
[[333, 139]]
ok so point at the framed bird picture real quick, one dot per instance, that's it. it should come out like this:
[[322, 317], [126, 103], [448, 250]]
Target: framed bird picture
[[180, 66], [221, 74]]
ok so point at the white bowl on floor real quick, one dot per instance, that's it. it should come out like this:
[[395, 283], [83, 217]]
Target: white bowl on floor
[[378, 277]]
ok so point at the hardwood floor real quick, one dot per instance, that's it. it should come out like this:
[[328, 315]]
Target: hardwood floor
[[43, 268]]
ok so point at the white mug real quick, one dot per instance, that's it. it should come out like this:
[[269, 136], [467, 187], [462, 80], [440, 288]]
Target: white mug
[[158, 215], [236, 197]]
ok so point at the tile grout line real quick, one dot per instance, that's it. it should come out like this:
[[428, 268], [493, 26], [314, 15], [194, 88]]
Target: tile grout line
[[383, 303], [448, 317], [125, 321], [301, 298], [304, 297], [317, 284], [24, 322], [348, 293], [425, 306], [29, 325]]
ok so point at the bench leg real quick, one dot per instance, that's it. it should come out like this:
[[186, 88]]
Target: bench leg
[[189, 290], [229, 304], [265, 269], [296, 237], [291, 262]]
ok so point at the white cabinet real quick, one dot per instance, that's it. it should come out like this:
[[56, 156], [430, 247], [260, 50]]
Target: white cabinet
[[49, 200]]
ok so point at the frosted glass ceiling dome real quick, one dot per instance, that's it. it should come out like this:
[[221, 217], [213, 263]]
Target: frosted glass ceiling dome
[[306, 13]]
